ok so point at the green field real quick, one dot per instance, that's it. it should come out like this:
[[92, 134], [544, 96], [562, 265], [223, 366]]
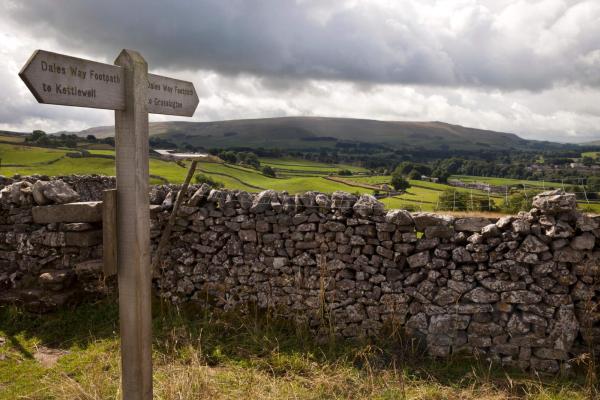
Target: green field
[[102, 152], [4, 137], [506, 181], [252, 180], [592, 154], [295, 166], [372, 179], [591, 206], [23, 155], [293, 175], [422, 195], [233, 177]]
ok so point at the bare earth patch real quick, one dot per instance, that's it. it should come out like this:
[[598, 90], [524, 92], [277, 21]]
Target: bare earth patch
[[48, 357]]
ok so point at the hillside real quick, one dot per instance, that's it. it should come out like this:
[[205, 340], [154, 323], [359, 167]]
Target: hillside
[[311, 132], [592, 143]]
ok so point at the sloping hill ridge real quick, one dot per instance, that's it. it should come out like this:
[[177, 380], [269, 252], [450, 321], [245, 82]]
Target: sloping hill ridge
[[310, 132], [592, 143]]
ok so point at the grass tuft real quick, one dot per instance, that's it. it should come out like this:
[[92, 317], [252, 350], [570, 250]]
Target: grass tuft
[[202, 354]]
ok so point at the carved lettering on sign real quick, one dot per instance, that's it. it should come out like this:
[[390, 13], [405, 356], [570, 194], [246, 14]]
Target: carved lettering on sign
[[59, 79]]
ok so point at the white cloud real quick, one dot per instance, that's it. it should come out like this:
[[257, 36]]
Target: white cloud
[[529, 67]]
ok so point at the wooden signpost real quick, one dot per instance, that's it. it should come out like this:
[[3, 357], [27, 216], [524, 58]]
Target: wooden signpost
[[128, 89]]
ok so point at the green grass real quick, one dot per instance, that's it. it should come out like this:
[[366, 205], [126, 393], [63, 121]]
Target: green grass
[[199, 354], [295, 164], [296, 176], [101, 166], [506, 181], [102, 152], [292, 184], [371, 179], [24, 155], [233, 177], [421, 198], [12, 138], [421, 195], [592, 207], [592, 154], [407, 203]]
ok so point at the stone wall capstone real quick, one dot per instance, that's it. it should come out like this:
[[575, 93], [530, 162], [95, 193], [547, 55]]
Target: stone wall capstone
[[521, 290]]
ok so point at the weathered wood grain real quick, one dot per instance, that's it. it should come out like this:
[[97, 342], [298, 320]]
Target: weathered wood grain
[[171, 96], [128, 89], [58, 79], [133, 230], [109, 232], [64, 80]]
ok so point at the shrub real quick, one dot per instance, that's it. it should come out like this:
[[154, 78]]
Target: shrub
[[411, 207], [452, 199], [228, 156], [414, 175], [268, 171], [398, 182], [520, 201], [344, 172], [201, 178], [593, 183], [248, 158]]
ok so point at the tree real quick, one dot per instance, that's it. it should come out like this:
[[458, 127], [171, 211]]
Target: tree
[[442, 177], [414, 175], [110, 141], [189, 147], [228, 156], [249, 158], [398, 182], [344, 172], [44, 140], [91, 138], [268, 171], [587, 161], [37, 135], [70, 142]]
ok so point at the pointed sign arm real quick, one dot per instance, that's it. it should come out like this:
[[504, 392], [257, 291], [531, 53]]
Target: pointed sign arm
[[55, 78]]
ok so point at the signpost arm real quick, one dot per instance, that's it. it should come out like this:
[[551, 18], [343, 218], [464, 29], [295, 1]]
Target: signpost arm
[[133, 216]]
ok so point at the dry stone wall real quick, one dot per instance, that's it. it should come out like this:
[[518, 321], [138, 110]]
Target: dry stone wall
[[521, 290]]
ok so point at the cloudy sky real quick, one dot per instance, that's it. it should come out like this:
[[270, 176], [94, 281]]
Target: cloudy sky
[[524, 66]]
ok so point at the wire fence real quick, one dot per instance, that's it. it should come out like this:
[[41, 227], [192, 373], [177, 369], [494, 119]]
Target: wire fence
[[513, 196]]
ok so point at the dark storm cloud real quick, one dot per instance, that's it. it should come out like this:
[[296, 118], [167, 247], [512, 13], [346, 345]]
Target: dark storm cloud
[[366, 43]]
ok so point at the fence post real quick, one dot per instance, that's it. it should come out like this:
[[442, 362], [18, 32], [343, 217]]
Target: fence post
[[584, 191], [454, 203]]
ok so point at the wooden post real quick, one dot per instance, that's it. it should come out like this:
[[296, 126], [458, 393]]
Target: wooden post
[[164, 239], [133, 222], [125, 88], [109, 232]]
